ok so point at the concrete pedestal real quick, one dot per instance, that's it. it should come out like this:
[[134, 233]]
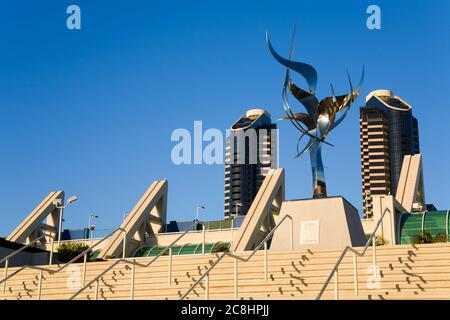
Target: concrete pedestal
[[319, 223]]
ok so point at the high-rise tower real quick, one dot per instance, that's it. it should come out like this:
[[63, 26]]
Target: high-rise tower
[[388, 132], [251, 152]]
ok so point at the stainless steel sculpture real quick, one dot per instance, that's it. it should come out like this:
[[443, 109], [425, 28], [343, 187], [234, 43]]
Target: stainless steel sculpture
[[321, 117]]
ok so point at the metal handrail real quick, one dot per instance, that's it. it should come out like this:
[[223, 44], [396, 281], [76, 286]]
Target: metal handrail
[[13, 254], [236, 257], [9, 256], [51, 271], [356, 253], [134, 264]]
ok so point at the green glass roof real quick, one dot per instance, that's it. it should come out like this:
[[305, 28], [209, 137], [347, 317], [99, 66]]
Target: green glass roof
[[186, 249], [434, 222]]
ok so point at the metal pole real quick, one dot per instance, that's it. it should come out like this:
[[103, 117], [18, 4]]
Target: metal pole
[[124, 249], [5, 275], [204, 238], [96, 289], [84, 268], [133, 274], [89, 226], [170, 267], [374, 252], [51, 251], [60, 224], [336, 285], [92, 237], [265, 261], [355, 273], [232, 232], [235, 278], [207, 287], [40, 285], [292, 234]]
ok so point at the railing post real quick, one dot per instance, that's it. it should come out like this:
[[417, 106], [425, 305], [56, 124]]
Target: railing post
[[40, 285], [235, 278], [207, 287], [336, 284], [84, 269], [355, 273], [133, 274], [292, 234], [124, 245], [96, 289], [51, 251], [92, 237], [5, 274], [265, 261], [232, 232], [204, 238], [170, 267], [374, 251]]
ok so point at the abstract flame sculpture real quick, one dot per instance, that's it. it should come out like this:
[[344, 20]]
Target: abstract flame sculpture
[[321, 117]]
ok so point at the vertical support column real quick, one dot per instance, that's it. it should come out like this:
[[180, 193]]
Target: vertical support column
[[169, 281], [374, 257], [133, 274], [5, 274], [336, 285], [84, 269], [40, 285], [235, 278], [355, 273], [51, 251], [60, 224], [207, 287], [124, 248], [204, 239], [96, 288], [232, 232], [292, 234], [265, 261]]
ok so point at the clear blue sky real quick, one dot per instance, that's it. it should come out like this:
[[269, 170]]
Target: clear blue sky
[[91, 111]]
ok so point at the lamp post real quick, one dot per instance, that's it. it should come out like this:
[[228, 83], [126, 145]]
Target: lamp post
[[92, 227], [58, 204], [198, 208]]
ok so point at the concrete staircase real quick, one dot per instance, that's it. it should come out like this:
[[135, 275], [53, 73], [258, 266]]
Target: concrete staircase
[[407, 272]]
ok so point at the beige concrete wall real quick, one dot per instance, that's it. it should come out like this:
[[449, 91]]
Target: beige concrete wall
[[338, 222], [387, 229], [410, 189], [165, 239], [368, 225]]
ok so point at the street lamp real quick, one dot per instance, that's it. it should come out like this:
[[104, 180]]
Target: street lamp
[[92, 227], [58, 204], [198, 208]]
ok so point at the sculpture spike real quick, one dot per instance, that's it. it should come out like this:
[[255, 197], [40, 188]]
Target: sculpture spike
[[305, 70]]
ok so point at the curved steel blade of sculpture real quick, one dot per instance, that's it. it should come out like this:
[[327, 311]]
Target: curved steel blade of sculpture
[[321, 117], [305, 70]]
